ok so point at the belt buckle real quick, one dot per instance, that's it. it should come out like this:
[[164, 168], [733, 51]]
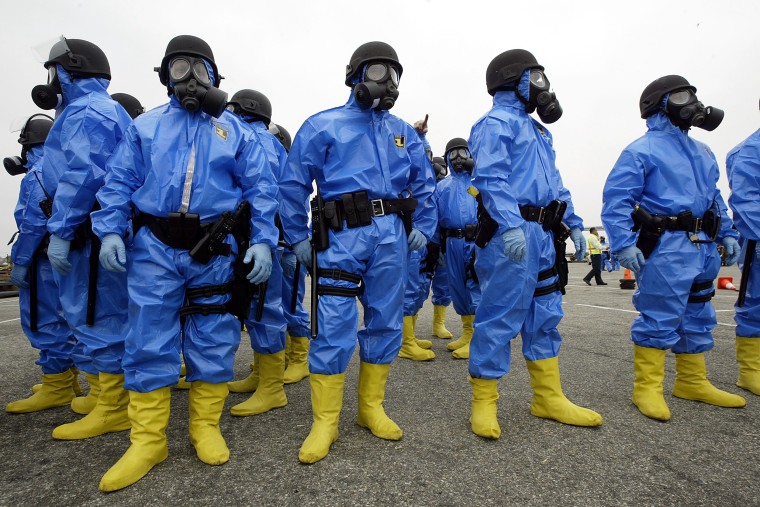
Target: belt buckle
[[541, 215], [697, 225], [378, 209]]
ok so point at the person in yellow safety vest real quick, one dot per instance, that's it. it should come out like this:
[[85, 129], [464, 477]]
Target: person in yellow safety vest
[[595, 249]]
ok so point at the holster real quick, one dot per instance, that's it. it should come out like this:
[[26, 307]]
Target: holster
[[320, 239], [650, 230], [561, 232], [431, 259], [487, 226]]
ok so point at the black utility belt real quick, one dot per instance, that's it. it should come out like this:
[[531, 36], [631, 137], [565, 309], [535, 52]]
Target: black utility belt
[[357, 209], [689, 224], [179, 230], [468, 233], [549, 216]]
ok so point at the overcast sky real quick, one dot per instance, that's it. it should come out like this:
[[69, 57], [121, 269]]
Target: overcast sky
[[598, 55]]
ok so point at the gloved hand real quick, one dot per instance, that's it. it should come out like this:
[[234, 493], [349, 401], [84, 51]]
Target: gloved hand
[[18, 276], [515, 246], [580, 243], [289, 264], [416, 240], [421, 126], [262, 263], [302, 249], [733, 250], [631, 257], [113, 255], [58, 253]]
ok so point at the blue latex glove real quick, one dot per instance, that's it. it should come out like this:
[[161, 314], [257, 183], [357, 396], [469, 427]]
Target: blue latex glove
[[262, 263], [515, 246], [289, 264], [733, 250], [416, 240], [58, 253], [18, 276], [580, 243], [631, 257], [113, 255], [302, 249]]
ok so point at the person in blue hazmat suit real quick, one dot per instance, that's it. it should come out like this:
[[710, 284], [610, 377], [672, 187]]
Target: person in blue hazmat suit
[[440, 283], [523, 204], [293, 292], [198, 181], [268, 334], [743, 166], [416, 275], [663, 212], [88, 126], [457, 222], [366, 162], [41, 315]]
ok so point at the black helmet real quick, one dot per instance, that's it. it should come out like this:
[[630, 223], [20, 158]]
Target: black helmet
[[80, 58], [35, 130], [187, 45], [652, 95], [252, 103], [508, 67], [370, 52], [129, 103], [281, 134], [457, 142]]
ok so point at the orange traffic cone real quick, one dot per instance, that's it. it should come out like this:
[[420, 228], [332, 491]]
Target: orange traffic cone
[[628, 282], [724, 282]]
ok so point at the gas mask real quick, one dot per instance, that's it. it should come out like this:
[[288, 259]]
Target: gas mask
[[460, 160], [50, 95], [379, 89], [540, 99], [439, 165], [685, 111], [193, 87], [16, 165]]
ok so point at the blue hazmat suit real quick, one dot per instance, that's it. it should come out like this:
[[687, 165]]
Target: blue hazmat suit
[[268, 335], [415, 281], [349, 149], [148, 173], [743, 166], [515, 166], [666, 172], [88, 126], [456, 209], [440, 284], [53, 338]]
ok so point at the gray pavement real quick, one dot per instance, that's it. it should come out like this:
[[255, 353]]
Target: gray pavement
[[704, 456]]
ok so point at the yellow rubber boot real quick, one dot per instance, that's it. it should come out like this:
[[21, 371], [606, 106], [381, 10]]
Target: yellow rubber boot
[[74, 383], [182, 383], [149, 417], [423, 344], [84, 404], [270, 393], [56, 391], [108, 416], [372, 379], [439, 322], [548, 400], [748, 357], [692, 384], [251, 382], [467, 330], [205, 406], [298, 365], [485, 393], [409, 347], [326, 402], [649, 368]]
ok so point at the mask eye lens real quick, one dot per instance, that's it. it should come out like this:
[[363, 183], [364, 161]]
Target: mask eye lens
[[179, 69], [680, 98], [538, 79], [376, 72], [200, 71], [394, 76], [51, 74]]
